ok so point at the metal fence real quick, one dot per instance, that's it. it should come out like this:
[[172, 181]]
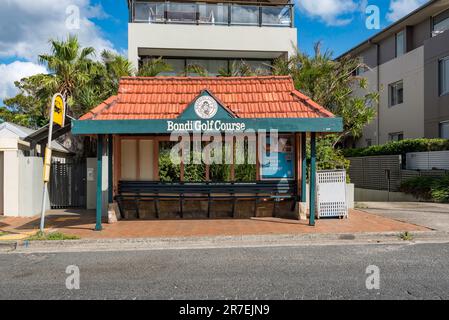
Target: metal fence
[[384, 172], [376, 172], [438, 160], [408, 174], [68, 185]]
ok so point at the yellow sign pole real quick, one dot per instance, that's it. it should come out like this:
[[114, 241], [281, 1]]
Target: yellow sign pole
[[57, 116]]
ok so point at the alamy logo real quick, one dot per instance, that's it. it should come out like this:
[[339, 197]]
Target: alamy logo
[[72, 282], [373, 280], [373, 17], [72, 21], [206, 107]]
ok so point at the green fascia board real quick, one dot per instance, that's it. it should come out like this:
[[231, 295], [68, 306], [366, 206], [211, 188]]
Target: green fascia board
[[159, 126]]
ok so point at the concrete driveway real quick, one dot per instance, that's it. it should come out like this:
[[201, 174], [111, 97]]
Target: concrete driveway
[[431, 215]]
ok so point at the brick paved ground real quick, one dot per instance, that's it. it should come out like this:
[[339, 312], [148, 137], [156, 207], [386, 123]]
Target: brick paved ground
[[81, 223]]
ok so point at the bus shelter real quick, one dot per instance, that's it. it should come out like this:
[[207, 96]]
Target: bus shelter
[[207, 141]]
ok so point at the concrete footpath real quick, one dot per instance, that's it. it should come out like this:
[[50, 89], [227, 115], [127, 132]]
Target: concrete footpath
[[431, 215], [253, 241]]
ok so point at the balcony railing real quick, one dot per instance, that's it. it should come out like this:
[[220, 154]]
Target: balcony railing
[[212, 14]]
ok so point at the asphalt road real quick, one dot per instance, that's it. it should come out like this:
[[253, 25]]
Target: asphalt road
[[407, 271]]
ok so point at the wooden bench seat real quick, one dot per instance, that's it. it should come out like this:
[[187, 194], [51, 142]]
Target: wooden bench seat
[[209, 191]]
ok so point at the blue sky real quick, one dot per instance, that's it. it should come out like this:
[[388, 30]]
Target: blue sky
[[28, 24]]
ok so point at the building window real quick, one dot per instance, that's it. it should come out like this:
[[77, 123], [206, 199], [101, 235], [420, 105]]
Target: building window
[[440, 23], [260, 67], [444, 130], [400, 43], [396, 136], [177, 65], [212, 67], [396, 93], [444, 76]]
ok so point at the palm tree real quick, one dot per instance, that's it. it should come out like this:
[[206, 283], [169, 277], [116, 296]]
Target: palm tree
[[116, 67], [154, 67], [70, 66]]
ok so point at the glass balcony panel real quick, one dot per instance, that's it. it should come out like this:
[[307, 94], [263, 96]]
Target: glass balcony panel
[[276, 16], [245, 15], [213, 14], [181, 13], [152, 12]]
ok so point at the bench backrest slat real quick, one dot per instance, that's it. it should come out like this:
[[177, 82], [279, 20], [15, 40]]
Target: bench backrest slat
[[142, 187]]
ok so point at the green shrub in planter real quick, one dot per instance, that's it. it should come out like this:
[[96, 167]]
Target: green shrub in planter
[[440, 191], [428, 188], [400, 147], [168, 171]]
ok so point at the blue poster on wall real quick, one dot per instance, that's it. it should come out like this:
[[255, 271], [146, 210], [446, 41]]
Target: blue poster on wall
[[278, 164]]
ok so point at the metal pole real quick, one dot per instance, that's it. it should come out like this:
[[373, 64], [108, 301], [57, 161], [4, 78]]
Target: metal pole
[[304, 167], [312, 178], [99, 209], [44, 192], [110, 173]]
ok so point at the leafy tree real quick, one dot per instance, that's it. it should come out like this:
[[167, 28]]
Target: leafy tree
[[29, 106], [332, 84], [7, 115]]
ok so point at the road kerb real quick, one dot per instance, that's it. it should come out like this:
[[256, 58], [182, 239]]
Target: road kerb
[[218, 242]]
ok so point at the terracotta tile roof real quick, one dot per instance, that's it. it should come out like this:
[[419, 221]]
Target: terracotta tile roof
[[246, 97]]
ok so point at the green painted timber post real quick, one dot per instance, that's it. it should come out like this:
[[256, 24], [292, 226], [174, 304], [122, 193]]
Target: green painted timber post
[[312, 179], [110, 151], [303, 167], [99, 209]]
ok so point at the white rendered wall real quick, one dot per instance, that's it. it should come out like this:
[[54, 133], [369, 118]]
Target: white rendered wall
[[210, 38]]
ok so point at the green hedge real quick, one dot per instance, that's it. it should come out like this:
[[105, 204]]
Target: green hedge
[[400, 147], [428, 188]]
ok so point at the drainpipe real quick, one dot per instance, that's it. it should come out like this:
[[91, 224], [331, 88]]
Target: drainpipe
[[378, 91]]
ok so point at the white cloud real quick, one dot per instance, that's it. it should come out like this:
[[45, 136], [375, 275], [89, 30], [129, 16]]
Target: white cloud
[[400, 8], [14, 72], [27, 26], [332, 12]]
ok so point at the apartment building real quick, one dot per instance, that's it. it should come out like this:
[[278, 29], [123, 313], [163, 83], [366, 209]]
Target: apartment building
[[408, 63], [212, 34]]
